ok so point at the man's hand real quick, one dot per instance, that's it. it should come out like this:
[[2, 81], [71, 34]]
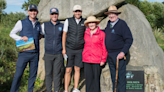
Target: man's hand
[[102, 63], [24, 38], [64, 52], [120, 56]]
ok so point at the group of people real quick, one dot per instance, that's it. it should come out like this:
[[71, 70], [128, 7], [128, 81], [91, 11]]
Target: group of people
[[81, 40]]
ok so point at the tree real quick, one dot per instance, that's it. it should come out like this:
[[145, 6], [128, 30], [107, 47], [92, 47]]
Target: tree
[[133, 2], [26, 4], [2, 6]]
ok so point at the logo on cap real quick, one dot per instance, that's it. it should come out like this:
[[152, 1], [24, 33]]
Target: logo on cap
[[53, 10], [33, 6]]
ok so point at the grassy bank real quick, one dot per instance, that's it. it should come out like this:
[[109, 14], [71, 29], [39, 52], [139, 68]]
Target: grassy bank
[[159, 35]]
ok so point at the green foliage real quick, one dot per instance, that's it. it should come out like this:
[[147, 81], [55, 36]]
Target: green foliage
[[159, 13], [133, 2], [2, 5], [153, 11], [9, 20], [159, 35], [26, 4], [8, 55]]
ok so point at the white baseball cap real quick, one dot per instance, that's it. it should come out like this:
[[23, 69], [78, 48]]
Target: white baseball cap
[[77, 7]]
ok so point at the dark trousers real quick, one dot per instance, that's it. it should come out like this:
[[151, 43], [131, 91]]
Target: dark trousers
[[23, 59], [92, 77], [121, 84], [53, 67]]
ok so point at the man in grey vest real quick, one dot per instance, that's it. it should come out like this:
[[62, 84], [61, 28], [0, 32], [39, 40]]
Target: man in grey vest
[[73, 42], [53, 31]]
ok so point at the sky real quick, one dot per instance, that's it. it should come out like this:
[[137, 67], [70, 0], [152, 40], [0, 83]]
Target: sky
[[15, 5]]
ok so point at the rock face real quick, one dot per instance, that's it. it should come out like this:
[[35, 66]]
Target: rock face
[[144, 52], [89, 7]]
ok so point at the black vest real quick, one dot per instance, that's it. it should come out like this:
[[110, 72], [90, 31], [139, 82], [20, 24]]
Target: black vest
[[75, 34]]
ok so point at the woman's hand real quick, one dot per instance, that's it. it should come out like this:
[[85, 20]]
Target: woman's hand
[[102, 63]]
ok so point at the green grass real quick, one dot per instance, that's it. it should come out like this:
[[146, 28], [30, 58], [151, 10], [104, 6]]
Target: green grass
[[159, 35]]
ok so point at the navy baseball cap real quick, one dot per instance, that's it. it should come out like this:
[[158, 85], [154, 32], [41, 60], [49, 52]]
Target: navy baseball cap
[[32, 6], [54, 10]]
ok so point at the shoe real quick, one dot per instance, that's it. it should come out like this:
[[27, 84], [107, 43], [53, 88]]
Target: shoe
[[76, 90], [65, 91]]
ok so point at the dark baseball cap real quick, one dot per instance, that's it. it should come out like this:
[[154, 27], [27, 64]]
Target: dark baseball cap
[[54, 10], [32, 6]]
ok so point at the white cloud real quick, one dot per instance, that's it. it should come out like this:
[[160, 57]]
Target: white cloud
[[159, 0], [15, 2]]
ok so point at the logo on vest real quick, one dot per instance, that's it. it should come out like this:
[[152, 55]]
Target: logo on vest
[[112, 31], [37, 28], [60, 28], [82, 24]]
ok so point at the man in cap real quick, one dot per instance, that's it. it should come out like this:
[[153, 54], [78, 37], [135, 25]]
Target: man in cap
[[73, 43], [118, 40], [29, 27], [53, 31]]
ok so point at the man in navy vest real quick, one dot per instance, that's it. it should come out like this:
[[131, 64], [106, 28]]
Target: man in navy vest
[[53, 57], [29, 27], [73, 43], [118, 40]]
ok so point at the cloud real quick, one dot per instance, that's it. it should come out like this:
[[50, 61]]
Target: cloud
[[15, 2], [159, 0]]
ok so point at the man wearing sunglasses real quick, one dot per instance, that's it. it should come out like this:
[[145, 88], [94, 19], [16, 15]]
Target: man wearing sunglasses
[[73, 43], [29, 27], [53, 31]]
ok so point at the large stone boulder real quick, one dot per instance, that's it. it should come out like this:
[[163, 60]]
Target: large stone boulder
[[89, 7]]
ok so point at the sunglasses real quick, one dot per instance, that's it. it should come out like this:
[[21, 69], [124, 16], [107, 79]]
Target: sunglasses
[[33, 10], [54, 13], [78, 11]]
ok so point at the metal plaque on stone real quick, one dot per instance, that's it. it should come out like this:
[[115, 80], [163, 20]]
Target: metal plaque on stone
[[134, 81]]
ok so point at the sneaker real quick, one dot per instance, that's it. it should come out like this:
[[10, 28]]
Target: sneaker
[[65, 91], [76, 90]]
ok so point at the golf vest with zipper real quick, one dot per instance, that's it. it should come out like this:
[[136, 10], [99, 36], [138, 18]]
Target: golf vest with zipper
[[53, 37], [75, 34], [30, 31]]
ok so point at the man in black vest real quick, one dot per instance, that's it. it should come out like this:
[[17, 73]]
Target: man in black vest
[[73, 42], [29, 27], [53, 31]]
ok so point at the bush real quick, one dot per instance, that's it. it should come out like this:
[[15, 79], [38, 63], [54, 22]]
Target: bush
[[8, 56], [9, 20], [159, 35], [153, 11]]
